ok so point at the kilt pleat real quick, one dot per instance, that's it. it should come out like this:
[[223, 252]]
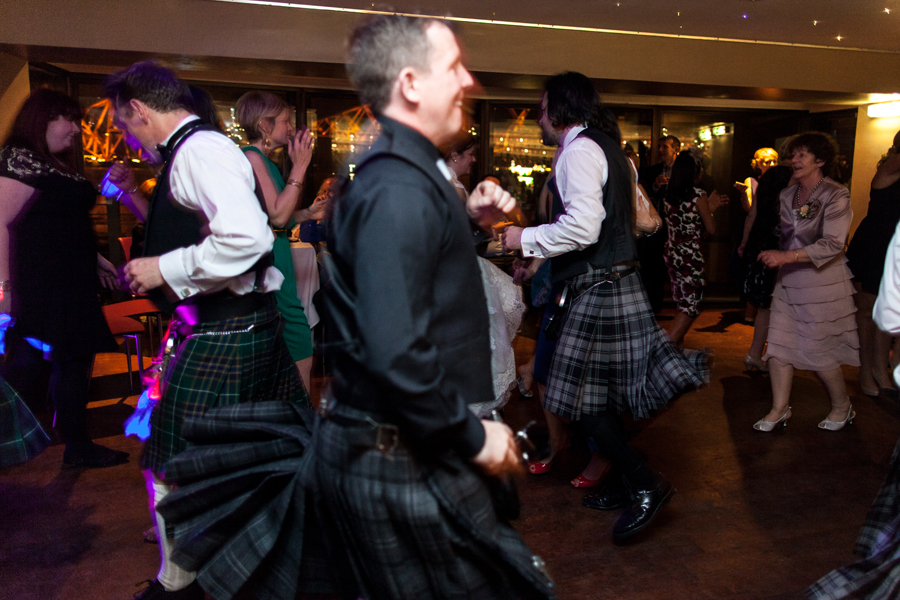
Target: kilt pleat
[[21, 435], [240, 509], [220, 370], [877, 576], [612, 354], [406, 529]]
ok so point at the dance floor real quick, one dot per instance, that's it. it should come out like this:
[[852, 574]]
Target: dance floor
[[756, 516]]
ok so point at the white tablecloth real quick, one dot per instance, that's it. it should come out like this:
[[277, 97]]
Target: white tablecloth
[[306, 272]]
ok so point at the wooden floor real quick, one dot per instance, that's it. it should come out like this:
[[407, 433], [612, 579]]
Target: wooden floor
[[756, 515]]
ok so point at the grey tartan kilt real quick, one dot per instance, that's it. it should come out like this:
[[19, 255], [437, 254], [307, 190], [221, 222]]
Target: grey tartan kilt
[[877, 576], [399, 528], [612, 354]]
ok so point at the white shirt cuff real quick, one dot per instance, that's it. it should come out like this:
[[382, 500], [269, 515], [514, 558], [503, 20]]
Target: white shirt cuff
[[171, 267], [530, 248]]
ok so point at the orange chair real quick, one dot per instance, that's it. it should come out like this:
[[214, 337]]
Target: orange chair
[[125, 242], [127, 328], [139, 307]]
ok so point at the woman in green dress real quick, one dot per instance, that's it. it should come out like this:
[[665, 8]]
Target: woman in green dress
[[266, 119]]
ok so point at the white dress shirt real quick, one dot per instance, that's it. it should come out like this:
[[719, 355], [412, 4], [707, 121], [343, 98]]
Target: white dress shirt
[[581, 172], [212, 178], [886, 313]]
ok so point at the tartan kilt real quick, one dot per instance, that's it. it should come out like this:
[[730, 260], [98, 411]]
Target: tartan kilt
[[21, 436], [877, 576], [612, 354], [220, 370], [401, 527]]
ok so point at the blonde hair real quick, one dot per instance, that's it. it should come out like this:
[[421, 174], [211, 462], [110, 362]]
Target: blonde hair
[[255, 107], [758, 155]]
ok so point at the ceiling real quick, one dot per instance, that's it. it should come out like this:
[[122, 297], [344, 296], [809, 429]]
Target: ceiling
[[701, 53], [862, 24]]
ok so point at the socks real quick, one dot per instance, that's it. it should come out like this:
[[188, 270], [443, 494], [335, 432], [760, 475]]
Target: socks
[[171, 576]]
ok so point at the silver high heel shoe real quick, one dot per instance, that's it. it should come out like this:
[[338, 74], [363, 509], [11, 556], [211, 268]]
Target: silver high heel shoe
[[755, 363], [767, 426], [838, 425]]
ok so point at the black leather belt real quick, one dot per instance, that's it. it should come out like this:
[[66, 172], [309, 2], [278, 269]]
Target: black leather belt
[[615, 273], [225, 305], [367, 431]]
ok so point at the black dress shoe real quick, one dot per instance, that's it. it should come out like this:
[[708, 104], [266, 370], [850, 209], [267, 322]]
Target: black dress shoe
[[93, 456], [155, 591], [643, 507], [613, 496]]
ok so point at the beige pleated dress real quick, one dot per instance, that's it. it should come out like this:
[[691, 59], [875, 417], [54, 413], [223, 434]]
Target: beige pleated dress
[[813, 323]]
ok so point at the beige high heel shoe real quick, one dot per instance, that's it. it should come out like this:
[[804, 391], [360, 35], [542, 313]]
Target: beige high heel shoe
[[767, 426], [838, 425], [755, 363]]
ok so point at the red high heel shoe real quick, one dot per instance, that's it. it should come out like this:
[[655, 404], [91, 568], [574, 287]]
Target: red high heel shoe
[[539, 468], [583, 482]]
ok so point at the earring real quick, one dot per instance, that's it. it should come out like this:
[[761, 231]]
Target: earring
[[266, 143]]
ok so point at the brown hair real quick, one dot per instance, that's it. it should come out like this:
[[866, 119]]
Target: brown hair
[[821, 145], [255, 107], [461, 142], [29, 130]]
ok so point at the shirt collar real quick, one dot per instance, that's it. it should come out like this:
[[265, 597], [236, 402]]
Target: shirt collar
[[185, 120], [571, 135], [445, 170]]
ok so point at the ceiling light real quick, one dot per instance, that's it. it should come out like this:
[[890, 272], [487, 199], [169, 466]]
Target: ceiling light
[[885, 109]]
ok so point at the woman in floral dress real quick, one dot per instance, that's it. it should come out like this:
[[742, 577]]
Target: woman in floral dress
[[689, 211]]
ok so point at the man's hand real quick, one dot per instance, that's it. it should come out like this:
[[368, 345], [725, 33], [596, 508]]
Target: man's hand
[[487, 201], [512, 239], [660, 181], [122, 175], [143, 275], [107, 273], [500, 454]]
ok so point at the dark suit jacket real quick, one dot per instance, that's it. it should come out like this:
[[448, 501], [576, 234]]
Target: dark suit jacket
[[407, 300], [647, 176]]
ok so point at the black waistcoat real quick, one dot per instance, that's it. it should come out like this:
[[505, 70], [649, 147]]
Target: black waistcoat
[[616, 241], [170, 226]]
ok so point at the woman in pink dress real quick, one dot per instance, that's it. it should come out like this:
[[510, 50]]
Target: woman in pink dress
[[812, 324]]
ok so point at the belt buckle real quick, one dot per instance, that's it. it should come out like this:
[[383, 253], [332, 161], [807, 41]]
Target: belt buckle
[[387, 437]]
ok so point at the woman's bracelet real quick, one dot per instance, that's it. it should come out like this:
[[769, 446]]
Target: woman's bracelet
[[658, 225], [295, 182], [796, 256]]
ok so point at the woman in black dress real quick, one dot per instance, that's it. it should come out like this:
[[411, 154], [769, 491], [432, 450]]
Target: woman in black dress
[[865, 258], [763, 233], [50, 267]]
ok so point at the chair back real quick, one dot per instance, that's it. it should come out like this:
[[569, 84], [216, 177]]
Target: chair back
[[125, 242]]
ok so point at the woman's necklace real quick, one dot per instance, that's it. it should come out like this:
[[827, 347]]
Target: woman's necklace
[[800, 187]]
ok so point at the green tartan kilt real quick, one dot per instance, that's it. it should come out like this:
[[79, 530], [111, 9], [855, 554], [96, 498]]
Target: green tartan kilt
[[21, 436], [220, 370]]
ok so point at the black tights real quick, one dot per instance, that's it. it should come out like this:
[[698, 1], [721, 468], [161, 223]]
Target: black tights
[[69, 381], [608, 433]]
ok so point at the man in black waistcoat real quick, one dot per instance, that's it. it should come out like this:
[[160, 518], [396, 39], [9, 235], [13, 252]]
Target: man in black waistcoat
[[207, 263], [611, 355], [403, 469], [655, 179]]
